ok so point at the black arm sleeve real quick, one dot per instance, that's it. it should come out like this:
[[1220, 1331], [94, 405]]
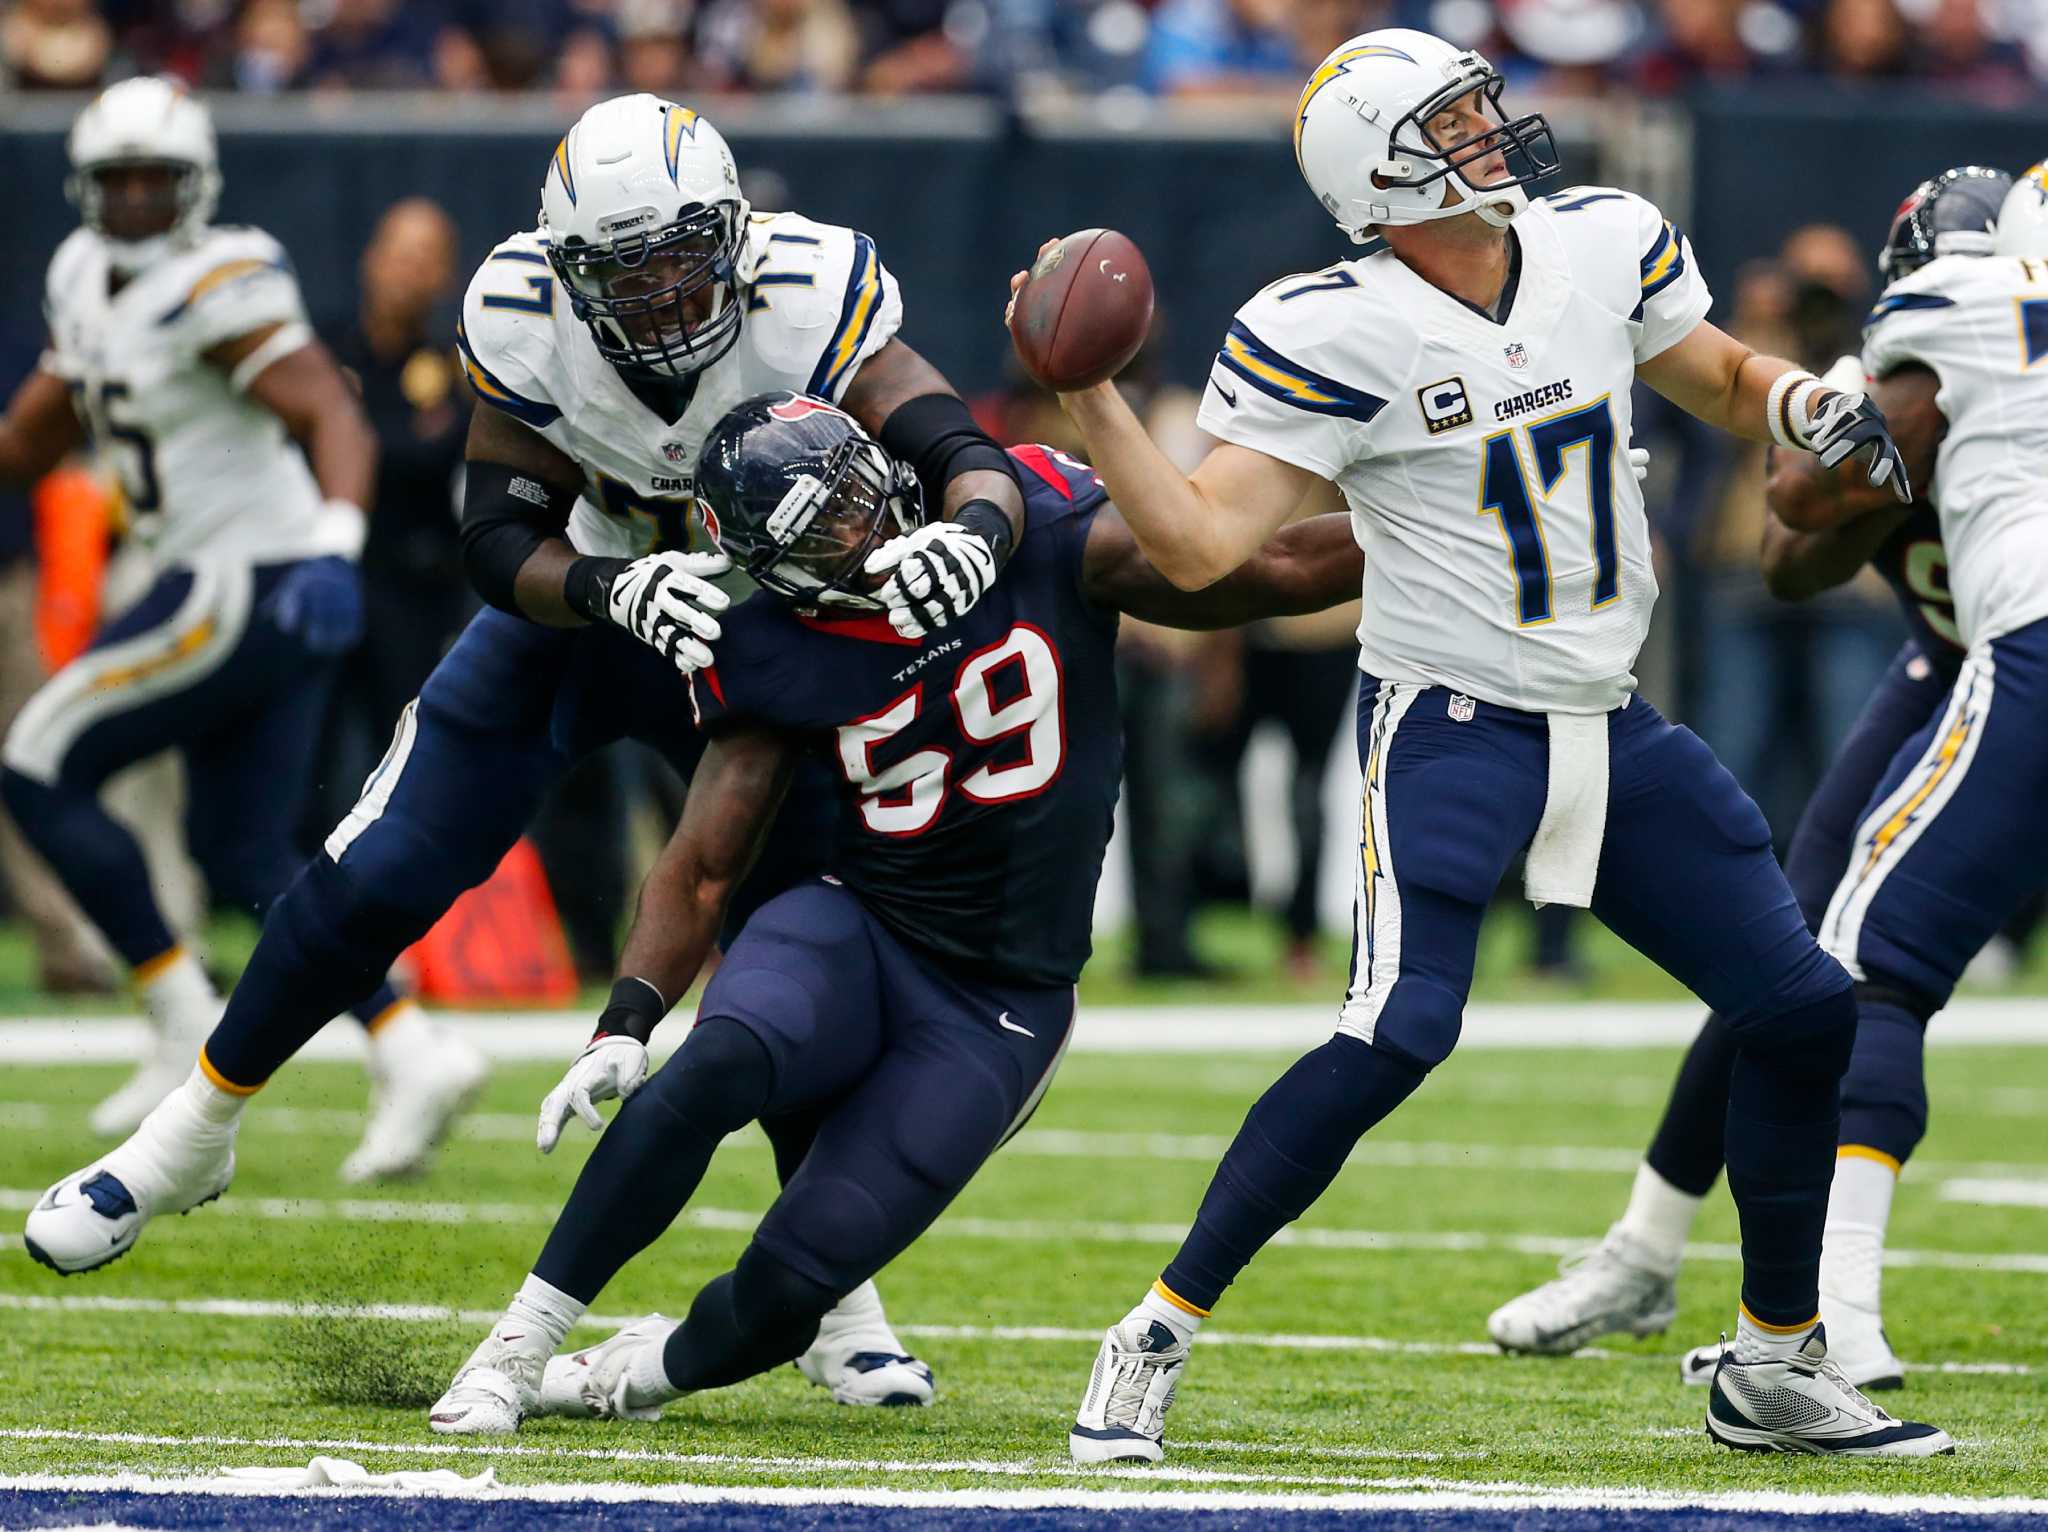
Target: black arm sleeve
[[506, 515], [936, 435]]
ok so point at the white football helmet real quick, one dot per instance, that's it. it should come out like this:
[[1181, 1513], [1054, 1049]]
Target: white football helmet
[[1361, 136], [2023, 216], [148, 120], [646, 228]]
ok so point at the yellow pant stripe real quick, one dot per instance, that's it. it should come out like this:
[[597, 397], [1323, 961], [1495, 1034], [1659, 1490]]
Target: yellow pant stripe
[[221, 1081], [1798, 1329], [385, 1017], [1865, 1152], [1177, 1301], [152, 969]]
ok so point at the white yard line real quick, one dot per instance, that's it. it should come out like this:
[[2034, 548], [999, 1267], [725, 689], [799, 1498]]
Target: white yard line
[[1402, 1495], [1048, 1231], [430, 1313], [1185, 1029], [1998, 1191]]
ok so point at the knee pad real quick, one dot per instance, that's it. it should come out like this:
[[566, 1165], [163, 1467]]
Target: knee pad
[[1420, 1023], [1818, 1034], [832, 1229], [716, 1083]]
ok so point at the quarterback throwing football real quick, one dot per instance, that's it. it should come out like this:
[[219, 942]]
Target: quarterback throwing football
[[1465, 382]]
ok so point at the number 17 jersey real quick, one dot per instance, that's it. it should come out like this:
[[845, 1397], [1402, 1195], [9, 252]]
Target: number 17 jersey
[[1485, 460]]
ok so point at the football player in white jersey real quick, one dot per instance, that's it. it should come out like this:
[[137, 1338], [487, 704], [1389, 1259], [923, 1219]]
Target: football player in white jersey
[[179, 351], [1628, 1282], [1466, 384], [605, 345]]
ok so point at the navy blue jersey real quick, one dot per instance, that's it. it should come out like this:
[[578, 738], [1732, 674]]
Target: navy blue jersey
[[979, 766], [1915, 566]]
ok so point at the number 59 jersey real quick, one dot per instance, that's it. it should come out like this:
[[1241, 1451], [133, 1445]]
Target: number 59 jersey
[[1485, 460], [978, 767], [818, 303], [202, 467]]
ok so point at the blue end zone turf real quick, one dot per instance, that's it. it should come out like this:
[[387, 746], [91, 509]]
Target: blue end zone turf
[[378, 1513]]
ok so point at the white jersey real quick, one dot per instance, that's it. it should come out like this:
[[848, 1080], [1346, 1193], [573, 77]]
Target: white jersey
[[1485, 462], [1980, 323], [205, 470], [819, 303]]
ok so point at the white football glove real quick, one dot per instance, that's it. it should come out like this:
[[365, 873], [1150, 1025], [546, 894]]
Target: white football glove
[[612, 1066], [1639, 463], [666, 600], [941, 571]]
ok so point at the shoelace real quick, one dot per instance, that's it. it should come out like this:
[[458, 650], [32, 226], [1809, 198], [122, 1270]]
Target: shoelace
[[1840, 1379], [1128, 1387]]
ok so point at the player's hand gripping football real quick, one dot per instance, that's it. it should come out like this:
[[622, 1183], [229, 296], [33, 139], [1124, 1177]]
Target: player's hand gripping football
[[1846, 423], [941, 570], [666, 600], [611, 1067]]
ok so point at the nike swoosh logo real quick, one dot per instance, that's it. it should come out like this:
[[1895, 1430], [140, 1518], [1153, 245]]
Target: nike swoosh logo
[[1008, 1025], [1228, 397]]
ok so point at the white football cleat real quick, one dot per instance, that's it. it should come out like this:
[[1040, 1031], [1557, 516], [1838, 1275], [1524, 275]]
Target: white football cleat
[[1123, 1415], [1857, 1345], [591, 1383], [175, 1039], [858, 1357], [1614, 1286], [1804, 1404], [422, 1077], [172, 1163], [498, 1386]]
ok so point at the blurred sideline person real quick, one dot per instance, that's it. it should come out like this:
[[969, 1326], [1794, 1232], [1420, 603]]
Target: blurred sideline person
[[1925, 838], [603, 346], [1466, 381], [181, 351]]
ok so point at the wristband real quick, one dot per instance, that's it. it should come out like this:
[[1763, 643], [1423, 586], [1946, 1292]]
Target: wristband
[[587, 586], [986, 520], [634, 1010], [1788, 407]]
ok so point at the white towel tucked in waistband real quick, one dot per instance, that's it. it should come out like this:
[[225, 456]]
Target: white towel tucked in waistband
[[1564, 858]]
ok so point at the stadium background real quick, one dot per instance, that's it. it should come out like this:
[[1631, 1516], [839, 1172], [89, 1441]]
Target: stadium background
[[959, 133]]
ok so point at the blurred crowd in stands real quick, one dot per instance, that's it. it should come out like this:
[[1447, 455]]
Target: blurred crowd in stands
[[1990, 49]]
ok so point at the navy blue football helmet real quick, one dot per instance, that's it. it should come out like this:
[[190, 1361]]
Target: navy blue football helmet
[[1954, 213], [800, 495]]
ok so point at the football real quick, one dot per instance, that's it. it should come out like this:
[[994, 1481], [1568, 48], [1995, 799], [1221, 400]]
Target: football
[[1083, 311]]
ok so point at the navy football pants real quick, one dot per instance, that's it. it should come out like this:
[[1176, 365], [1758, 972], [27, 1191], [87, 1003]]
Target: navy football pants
[[497, 723], [197, 665]]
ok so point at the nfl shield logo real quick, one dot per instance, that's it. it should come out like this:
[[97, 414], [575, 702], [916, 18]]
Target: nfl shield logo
[[1517, 355], [1462, 708], [676, 452]]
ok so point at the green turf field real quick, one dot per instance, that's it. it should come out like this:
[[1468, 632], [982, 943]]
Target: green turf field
[[1344, 1360]]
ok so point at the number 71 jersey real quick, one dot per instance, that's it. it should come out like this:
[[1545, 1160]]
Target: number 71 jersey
[[1485, 461]]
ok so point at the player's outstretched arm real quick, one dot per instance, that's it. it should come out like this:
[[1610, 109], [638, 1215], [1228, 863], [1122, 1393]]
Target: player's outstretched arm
[[938, 572], [37, 430], [1307, 566], [732, 801], [1806, 497], [1195, 528], [1711, 375]]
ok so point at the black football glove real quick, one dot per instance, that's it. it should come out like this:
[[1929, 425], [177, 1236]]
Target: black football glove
[[1844, 424]]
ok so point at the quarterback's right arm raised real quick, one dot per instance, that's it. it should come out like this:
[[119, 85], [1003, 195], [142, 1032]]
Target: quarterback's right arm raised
[[39, 428], [1195, 528]]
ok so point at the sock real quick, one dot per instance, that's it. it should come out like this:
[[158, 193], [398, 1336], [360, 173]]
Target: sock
[[1155, 1305], [647, 1381], [1758, 1343], [1659, 1218], [175, 993], [1290, 1148], [212, 1104], [543, 1308], [1859, 1207], [393, 1032]]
